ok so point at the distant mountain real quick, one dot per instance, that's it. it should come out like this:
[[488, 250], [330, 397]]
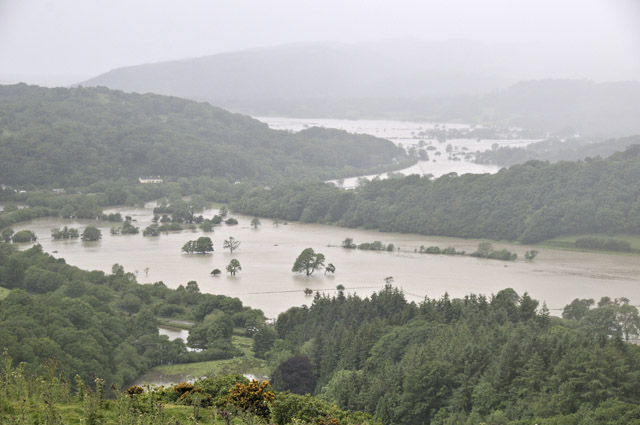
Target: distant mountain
[[401, 79], [318, 71], [77, 137]]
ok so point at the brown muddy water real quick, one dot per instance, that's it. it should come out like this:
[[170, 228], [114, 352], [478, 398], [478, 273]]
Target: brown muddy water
[[267, 255]]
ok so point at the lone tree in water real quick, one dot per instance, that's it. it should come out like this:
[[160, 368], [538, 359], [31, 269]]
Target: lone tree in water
[[91, 233], [233, 267], [231, 244], [308, 261], [531, 254], [330, 268], [204, 244], [255, 222]]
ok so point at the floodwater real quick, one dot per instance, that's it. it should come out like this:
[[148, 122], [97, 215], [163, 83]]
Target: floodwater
[[174, 333], [268, 253], [407, 134]]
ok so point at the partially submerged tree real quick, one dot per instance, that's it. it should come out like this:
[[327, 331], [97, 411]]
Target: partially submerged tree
[[231, 244], [202, 245], [348, 243], [233, 267], [308, 261], [531, 254], [189, 247], [91, 233], [330, 268], [255, 222]]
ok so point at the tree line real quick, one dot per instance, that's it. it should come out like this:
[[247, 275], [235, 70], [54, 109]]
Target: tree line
[[500, 359], [528, 203]]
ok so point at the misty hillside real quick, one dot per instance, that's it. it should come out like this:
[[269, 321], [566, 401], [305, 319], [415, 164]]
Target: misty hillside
[[318, 71], [568, 107], [402, 79], [555, 150], [80, 136]]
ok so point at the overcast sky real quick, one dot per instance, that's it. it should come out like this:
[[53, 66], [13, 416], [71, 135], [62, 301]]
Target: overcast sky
[[68, 40]]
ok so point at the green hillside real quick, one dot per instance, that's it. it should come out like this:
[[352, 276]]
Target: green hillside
[[75, 137]]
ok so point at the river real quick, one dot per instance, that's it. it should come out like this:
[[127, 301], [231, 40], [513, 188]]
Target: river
[[267, 255], [408, 134]]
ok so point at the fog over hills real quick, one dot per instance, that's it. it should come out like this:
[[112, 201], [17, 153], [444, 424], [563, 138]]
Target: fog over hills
[[403, 79], [404, 68]]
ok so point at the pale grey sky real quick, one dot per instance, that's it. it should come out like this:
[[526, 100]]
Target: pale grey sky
[[68, 40]]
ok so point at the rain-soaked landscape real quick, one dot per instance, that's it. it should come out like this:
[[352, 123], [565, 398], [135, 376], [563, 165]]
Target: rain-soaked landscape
[[320, 212]]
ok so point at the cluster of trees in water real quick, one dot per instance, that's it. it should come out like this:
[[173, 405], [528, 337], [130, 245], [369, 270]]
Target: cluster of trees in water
[[528, 203], [74, 137], [103, 324], [499, 359]]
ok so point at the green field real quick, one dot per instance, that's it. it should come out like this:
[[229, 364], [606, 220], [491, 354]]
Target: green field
[[567, 242], [247, 364]]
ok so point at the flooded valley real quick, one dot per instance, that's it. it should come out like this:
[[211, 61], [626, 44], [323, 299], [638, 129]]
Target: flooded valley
[[267, 255]]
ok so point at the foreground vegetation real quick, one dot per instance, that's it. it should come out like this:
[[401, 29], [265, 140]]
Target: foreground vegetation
[[49, 399], [500, 360], [106, 324]]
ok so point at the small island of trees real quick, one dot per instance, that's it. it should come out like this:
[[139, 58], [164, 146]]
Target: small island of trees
[[91, 233], [202, 245]]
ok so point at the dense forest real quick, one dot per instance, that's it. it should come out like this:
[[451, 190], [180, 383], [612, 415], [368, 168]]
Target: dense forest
[[499, 359], [106, 325], [75, 137], [528, 203]]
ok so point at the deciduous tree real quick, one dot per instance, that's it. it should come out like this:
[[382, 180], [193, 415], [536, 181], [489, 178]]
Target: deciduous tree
[[233, 267], [231, 244], [308, 261]]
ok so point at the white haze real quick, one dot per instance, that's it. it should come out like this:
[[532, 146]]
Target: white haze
[[65, 41]]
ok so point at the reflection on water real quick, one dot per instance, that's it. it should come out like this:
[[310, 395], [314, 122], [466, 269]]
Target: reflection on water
[[173, 333], [267, 255]]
